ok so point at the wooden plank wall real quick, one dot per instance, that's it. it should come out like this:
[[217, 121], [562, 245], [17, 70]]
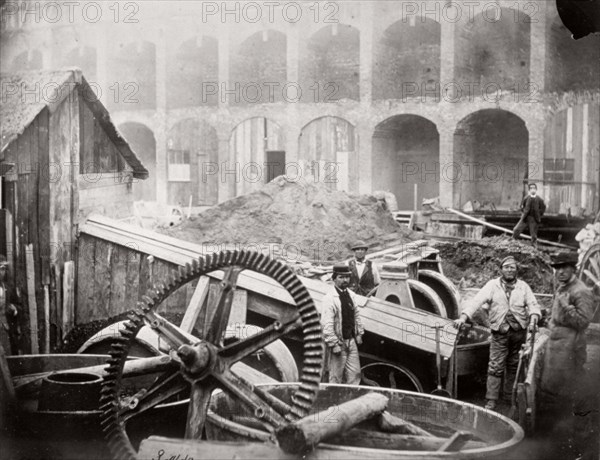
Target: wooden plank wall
[[111, 278], [28, 200], [105, 186], [323, 140], [247, 145], [201, 141], [574, 133]]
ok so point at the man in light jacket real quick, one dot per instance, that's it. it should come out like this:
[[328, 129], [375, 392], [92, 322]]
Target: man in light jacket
[[342, 329], [511, 308]]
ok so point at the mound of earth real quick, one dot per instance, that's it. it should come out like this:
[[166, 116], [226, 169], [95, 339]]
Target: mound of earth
[[300, 217], [473, 263]]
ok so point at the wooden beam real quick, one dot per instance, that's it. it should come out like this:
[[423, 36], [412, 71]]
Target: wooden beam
[[68, 297], [305, 434], [33, 316], [195, 305], [505, 230]]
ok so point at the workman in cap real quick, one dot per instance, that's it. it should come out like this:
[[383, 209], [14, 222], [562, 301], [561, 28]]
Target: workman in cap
[[532, 210], [567, 397], [365, 276], [342, 329], [512, 309], [572, 311]]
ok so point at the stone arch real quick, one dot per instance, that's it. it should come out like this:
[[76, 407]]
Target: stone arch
[[253, 143], [406, 158], [491, 153], [193, 74], [330, 64], [327, 150], [192, 163], [132, 83], [259, 68], [143, 143], [407, 60], [495, 51]]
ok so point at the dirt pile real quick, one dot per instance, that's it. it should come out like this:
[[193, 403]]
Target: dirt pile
[[300, 217], [473, 263]]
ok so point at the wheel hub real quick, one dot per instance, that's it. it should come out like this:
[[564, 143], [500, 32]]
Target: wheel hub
[[197, 361]]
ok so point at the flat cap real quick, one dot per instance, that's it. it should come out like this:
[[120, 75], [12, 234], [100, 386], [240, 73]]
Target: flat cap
[[565, 258], [360, 244], [508, 260]]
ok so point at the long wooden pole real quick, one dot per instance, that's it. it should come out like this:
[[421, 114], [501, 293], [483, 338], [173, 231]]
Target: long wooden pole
[[505, 230], [303, 435]]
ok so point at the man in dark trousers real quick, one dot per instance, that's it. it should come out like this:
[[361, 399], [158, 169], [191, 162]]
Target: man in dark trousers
[[512, 309], [342, 329], [532, 210], [568, 397], [365, 275]]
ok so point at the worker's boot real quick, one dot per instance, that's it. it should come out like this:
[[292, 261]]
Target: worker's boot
[[493, 388]]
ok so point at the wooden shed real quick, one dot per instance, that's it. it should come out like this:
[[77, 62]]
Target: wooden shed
[[68, 160]]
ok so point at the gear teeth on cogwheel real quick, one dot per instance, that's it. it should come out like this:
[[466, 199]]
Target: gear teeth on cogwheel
[[302, 398]]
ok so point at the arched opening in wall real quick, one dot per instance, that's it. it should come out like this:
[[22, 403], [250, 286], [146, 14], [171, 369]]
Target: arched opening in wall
[[406, 153], [27, 60], [491, 152], [259, 69], [142, 142], [330, 65], [407, 60], [571, 65], [132, 80], [571, 160], [327, 149], [193, 74], [257, 150], [493, 53], [192, 163]]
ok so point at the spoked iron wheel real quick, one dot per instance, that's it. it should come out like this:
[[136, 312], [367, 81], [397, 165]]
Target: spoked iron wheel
[[199, 365]]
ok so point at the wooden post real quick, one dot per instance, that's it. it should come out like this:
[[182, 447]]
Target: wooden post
[[68, 297], [46, 319], [303, 435], [33, 317]]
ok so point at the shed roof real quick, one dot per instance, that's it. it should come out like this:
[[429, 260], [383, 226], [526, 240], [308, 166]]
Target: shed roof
[[26, 94]]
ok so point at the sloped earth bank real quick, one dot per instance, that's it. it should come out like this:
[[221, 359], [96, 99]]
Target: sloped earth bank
[[474, 263], [295, 218]]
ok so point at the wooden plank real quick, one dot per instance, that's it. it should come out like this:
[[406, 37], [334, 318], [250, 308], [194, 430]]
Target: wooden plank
[[118, 281], [220, 450], [86, 292], [132, 279], [195, 304], [68, 297], [46, 319], [410, 326], [239, 309], [55, 306], [102, 277], [33, 317], [145, 273]]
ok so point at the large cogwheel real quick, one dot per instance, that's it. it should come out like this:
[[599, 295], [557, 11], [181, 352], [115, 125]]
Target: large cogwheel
[[195, 366]]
